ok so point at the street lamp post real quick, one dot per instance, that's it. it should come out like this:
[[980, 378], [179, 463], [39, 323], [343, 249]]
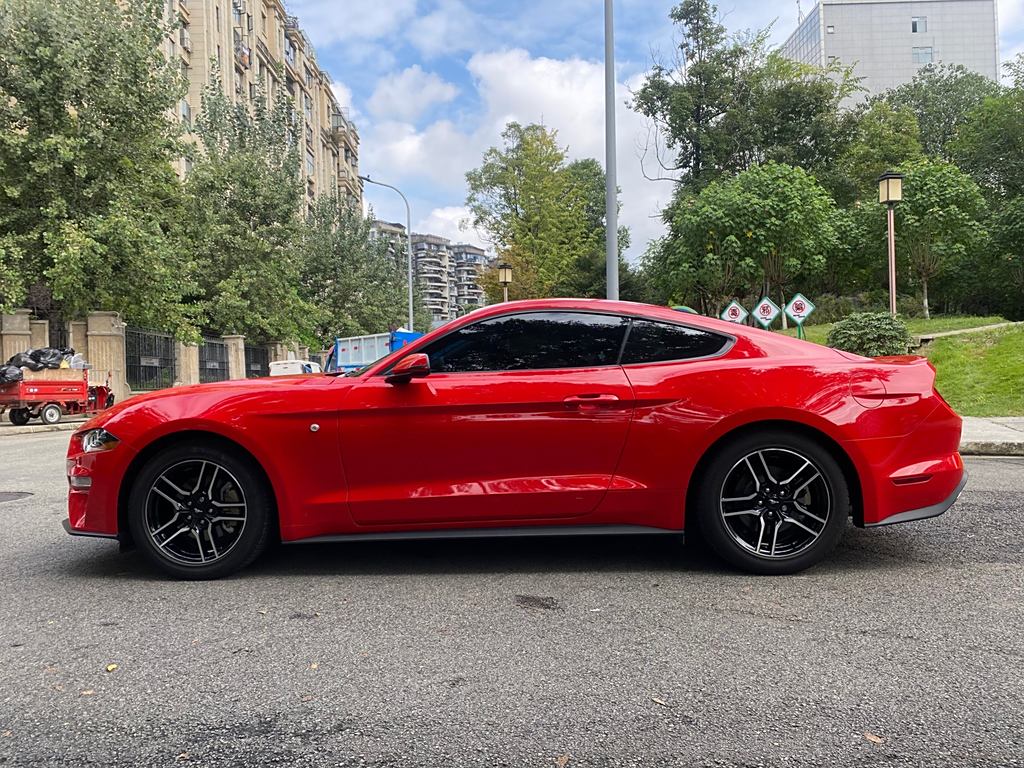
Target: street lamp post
[[890, 192], [505, 276], [408, 239], [611, 192]]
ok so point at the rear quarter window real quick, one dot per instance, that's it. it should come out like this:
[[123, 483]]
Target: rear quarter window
[[652, 342]]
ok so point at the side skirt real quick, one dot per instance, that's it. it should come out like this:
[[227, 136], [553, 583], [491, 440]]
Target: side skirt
[[496, 533]]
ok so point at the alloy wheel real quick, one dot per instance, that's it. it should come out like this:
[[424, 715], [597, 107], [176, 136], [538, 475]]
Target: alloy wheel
[[775, 503], [195, 512]]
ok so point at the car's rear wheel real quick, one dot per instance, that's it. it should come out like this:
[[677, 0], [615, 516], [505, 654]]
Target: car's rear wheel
[[199, 511], [773, 503], [50, 414]]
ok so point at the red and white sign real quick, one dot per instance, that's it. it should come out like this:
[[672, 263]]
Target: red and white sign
[[734, 313], [766, 311], [799, 308]]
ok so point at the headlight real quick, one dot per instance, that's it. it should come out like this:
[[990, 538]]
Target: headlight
[[98, 440]]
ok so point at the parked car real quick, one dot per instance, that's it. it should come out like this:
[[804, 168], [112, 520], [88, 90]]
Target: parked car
[[530, 418], [294, 367]]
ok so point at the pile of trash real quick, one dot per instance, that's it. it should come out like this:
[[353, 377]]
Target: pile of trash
[[37, 360]]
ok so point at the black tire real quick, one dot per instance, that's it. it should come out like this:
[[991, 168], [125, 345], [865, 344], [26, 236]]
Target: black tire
[[244, 480], [735, 525], [19, 416], [50, 413]]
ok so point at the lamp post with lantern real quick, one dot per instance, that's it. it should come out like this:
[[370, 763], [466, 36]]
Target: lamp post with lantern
[[890, 192], [505, 276]]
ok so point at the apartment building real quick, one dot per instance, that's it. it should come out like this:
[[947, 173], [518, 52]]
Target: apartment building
[[253, 43], [448, 275], [887, 41]]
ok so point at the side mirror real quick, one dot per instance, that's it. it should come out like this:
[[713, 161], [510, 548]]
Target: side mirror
[[414, 366]]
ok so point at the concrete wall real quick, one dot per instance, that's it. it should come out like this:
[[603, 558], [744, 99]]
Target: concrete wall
[[40, 330], [187, 360]]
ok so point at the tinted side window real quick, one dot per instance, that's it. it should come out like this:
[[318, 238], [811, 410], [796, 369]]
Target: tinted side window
[[530, 341], [652, 342]]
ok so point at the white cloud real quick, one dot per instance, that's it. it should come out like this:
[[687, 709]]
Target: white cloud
[[410, 93], [449, 27], [353, 20], [452, 222], [566, 95]]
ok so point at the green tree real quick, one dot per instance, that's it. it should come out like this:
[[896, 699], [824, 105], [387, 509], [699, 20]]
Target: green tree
[[940, 97], [939, 221], [533, 210], [353, 281], [764, 228], [990, 143], [89, 194], [243, 202], [885, 138], [1007, 278]]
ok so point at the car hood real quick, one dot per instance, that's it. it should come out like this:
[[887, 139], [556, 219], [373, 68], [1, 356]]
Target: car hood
[[195, 399]]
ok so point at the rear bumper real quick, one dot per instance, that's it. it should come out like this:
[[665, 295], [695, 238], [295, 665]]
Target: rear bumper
[[923, 513]]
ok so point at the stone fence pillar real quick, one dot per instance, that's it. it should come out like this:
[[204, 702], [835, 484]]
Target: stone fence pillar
[[236, 356], [78, 338], [278, 351], [186, 357], [40, 331], [105, 333], [15, 333]]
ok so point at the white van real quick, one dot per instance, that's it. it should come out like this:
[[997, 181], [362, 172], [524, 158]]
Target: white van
[[293, 367]]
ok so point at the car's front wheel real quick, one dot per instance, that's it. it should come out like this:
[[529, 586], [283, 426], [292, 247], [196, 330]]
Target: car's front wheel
[[198, 511], [773, 503]]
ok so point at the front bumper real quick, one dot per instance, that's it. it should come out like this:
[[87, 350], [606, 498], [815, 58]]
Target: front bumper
[[89, 534], [923, 513]]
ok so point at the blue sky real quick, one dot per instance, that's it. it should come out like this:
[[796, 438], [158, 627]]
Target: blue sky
[[431, 83]]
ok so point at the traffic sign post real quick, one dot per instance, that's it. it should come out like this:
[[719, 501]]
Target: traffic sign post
[[799, 309], [766, 311], [734, 313]]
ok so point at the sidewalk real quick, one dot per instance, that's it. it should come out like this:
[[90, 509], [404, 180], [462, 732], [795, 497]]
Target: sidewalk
[[981, 437], [993, 437]]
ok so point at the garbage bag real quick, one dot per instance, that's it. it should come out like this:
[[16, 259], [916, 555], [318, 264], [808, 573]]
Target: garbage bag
[[47, 357], [10, 373], [25, 360], [76, 361]]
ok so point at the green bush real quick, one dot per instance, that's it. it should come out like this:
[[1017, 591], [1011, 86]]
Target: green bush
[[870, 334]]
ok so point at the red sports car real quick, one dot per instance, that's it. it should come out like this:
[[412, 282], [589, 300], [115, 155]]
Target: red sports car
[[530, 418]]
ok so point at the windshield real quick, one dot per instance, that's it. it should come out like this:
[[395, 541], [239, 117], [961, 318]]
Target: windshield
[[356, 372]]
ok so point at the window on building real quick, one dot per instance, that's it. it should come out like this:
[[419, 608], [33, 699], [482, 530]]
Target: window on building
[[309, 134], [652, 342], [219, 59], [263, 23], [309, 77], [530, 341], [216, 16], [307, 102], [310, 163], [922, 55], [919, 24], [830, 29]]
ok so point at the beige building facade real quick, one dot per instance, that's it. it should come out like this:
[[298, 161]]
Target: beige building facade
[[255, 43]]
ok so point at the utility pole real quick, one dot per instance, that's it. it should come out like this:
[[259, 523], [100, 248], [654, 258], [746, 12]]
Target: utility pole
[[611, 215]]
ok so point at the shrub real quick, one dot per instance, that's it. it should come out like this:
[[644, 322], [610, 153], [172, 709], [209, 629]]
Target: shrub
[[870, 334]]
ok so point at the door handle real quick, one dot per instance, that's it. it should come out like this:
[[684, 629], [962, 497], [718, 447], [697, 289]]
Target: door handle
[[590, 401]]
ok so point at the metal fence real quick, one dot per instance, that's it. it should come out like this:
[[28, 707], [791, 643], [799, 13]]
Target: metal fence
[[213, 361], [257, 362], [149, 359]]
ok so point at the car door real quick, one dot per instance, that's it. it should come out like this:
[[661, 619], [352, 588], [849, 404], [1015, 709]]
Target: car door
[[521, 420]]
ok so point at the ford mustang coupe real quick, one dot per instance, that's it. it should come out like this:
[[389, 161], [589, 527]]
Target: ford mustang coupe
[[530, 418]]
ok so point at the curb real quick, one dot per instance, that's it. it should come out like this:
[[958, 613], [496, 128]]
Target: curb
[[35, 429], [999, 448]]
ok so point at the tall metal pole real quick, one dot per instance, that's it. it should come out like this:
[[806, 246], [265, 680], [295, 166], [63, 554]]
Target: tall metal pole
[[892, 258], [408, 240], [611, 210]]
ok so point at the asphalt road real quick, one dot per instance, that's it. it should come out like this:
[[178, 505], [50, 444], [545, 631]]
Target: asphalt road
[[905, 649]]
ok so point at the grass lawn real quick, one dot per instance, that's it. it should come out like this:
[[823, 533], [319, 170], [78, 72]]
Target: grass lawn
[[916, 325], [981, 374]]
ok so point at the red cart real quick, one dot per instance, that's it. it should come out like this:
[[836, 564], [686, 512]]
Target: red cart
[[51, 393]]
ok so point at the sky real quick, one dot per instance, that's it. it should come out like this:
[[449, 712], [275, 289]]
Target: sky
[[432, 83]]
